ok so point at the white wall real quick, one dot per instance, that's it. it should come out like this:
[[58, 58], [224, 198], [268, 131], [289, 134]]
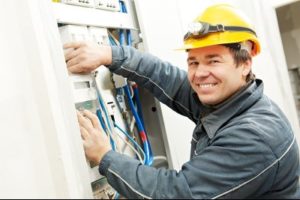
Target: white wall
[[277, 81], [163, 27], [40, 148], [277, 3]]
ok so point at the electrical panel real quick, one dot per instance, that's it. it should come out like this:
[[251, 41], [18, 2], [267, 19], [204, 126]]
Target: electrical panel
[[116, 101], [85, 94]]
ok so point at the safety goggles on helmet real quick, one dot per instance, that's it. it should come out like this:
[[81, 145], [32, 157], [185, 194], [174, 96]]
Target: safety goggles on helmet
[[201, 29]]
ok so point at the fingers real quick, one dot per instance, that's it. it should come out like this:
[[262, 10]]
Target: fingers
[[85, 122], [88, 120], [84, 133], [71, 53], [74, 60], [72, 56], [74, 65], [74, 45], [80, 57], [94, 119], [76, 69]]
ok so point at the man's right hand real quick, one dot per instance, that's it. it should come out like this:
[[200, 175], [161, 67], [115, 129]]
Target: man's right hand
[[84, 57], [96, 144]]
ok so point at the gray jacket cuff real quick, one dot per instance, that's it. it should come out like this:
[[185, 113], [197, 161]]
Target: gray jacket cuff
[[118, 56], [106, 161]]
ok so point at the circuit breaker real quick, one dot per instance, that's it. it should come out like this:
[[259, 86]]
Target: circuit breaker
[[112, 5], [85, 3]]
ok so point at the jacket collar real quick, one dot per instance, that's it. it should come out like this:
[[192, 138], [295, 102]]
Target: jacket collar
[[218, 115]]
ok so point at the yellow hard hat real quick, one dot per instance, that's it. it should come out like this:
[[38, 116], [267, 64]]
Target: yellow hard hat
[[220, 24]]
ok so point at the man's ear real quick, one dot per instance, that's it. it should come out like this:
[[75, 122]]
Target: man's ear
[[246, 67]]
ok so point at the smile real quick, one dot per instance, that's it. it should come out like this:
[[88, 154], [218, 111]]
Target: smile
[[206, 85]]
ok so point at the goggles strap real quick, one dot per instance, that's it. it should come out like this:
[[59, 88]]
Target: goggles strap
[[221, 28], [202, 29]]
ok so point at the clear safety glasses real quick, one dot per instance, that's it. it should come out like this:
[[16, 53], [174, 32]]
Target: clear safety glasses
[[201, 29]]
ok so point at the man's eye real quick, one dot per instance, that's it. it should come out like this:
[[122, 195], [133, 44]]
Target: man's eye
[[193, 63], [213, 61]]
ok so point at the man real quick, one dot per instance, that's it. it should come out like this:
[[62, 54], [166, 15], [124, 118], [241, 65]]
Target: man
[[243, 145]]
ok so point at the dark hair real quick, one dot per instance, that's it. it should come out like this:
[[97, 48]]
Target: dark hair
[[240, 56]]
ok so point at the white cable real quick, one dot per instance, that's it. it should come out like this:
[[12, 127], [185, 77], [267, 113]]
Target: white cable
[[132, 124], [160, 158], [137, 153]]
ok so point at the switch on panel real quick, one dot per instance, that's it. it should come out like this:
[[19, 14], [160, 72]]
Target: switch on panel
[[69, 33], [85, 3], [99, 35], [112, 5]]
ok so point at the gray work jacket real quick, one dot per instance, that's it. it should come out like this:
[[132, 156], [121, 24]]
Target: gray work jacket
[[243, 148]]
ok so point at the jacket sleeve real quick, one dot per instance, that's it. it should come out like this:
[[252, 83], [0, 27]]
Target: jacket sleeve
[[232, 166], [166, 82]]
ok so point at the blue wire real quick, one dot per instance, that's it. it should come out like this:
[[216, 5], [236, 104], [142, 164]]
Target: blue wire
[[138, 104], [123, 7], [140, 113], [113, 144], [120, 94], [117, 195], [131, 105], [112, 41], [121, 36], [128, 32], [99, 115], [146, 145], [105, 113], [132, 140], [129, 42]]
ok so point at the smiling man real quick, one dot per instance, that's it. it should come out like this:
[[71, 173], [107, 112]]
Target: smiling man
[[213, 73], [242, 146]]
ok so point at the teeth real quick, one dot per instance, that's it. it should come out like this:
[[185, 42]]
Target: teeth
[[206, 85]]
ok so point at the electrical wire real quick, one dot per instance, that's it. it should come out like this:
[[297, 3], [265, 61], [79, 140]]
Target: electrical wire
[[141, 130], [140, 126], [139, 111], [138, 102], [128, 33], [132, 124], [134, 142], [120, 101], [109, 130], [131, 147], [112, 39], [116, 196], [160, 158], [100, 117]]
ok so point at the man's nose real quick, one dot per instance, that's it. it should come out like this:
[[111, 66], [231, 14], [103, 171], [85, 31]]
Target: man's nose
[[202, 71]]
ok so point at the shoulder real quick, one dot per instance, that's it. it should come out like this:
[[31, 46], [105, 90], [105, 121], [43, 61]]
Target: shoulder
[[264, 125]]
